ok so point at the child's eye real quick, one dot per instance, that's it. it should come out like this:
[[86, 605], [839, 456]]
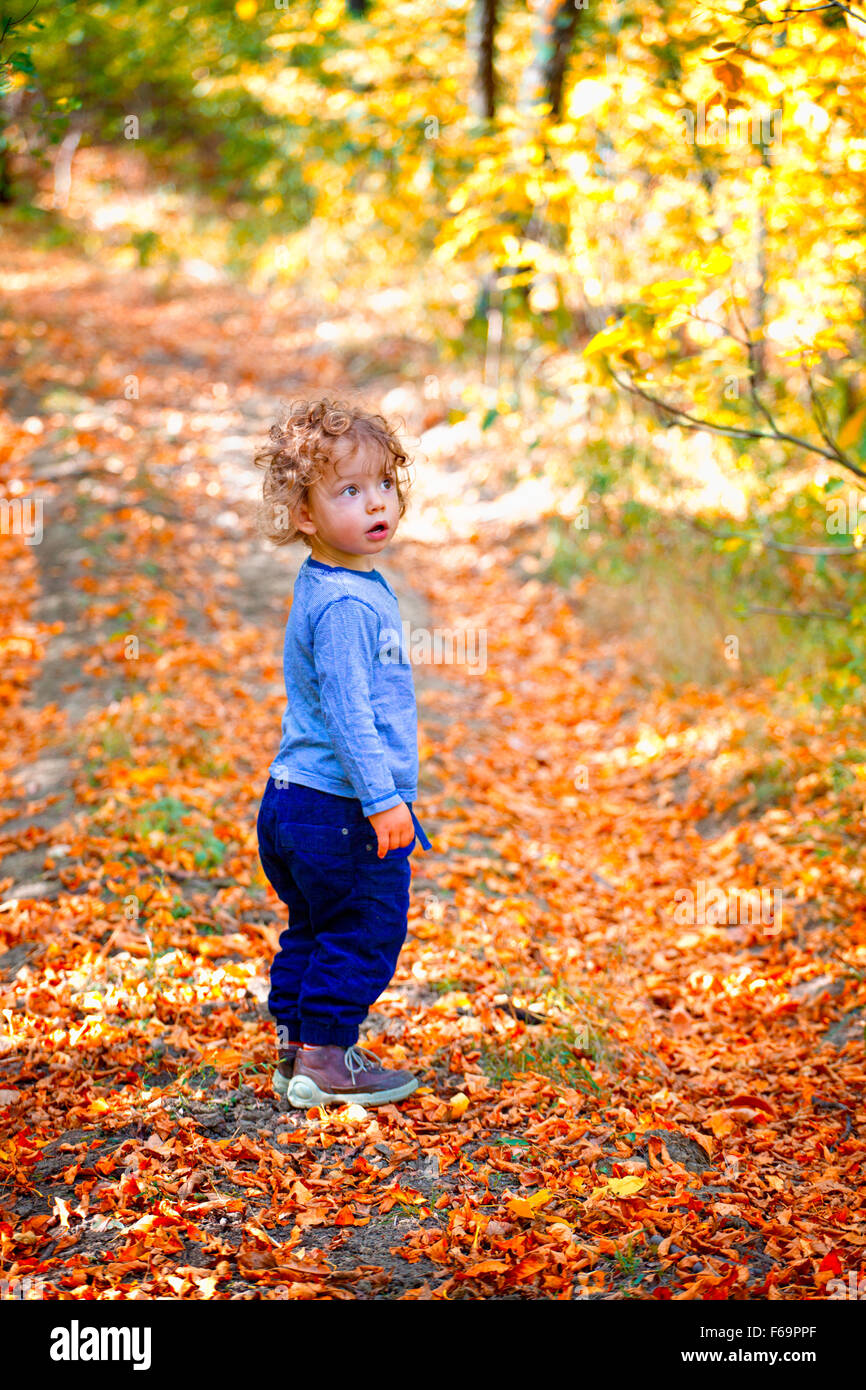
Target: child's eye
[[354, 486]]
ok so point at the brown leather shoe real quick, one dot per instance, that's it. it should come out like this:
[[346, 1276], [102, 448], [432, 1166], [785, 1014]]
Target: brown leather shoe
[[285, 1069], [324, 1075]]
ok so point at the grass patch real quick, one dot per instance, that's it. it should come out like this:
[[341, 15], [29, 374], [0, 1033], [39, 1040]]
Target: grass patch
[[115, 745], [557, 1058], [689, 601], [170, 819], [450, 984], [772, 784]]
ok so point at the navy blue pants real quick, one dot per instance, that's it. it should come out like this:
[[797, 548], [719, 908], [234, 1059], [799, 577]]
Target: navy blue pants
[[348, 910]]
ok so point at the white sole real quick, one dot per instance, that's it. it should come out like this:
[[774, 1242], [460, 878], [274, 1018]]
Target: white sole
[[302, 1092], [281, 1083]]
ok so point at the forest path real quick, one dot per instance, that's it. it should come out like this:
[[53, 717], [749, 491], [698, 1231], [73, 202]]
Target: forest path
[[618, 1100]]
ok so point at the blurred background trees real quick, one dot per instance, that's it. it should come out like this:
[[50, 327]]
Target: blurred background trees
[[638, 231]]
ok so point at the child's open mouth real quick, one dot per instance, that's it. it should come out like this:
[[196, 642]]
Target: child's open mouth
[[380, 529]]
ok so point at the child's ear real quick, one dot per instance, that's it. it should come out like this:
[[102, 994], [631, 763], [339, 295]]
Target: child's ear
[[302, 521]]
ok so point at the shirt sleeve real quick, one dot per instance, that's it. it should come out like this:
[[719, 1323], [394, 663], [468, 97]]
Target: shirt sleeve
[[345, 645]]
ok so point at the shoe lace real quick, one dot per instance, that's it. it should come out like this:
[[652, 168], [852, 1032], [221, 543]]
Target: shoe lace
[[358, 1059]]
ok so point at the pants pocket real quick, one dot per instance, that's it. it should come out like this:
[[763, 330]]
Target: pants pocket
[[325, 859], [319, 841]]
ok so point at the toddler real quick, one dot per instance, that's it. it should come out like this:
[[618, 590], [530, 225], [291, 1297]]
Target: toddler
[[336, 823]]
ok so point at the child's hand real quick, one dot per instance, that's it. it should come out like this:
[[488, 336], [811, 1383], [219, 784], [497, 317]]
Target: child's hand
[[394, 828]]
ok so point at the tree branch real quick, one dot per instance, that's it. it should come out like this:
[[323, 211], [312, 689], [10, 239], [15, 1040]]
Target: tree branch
[[689, 421], [11, 23], [813, 9], [839, 615], [771, 543]]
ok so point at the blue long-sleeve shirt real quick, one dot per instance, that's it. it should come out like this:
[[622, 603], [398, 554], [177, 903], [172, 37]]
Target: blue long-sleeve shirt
[[351, 724]]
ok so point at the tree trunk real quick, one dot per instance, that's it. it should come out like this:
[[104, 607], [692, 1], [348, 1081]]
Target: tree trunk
[[555, 24], [482, 31], [481, 34], [552, 38], [759, 311], [6, 193], [11, 103], [554, 28]]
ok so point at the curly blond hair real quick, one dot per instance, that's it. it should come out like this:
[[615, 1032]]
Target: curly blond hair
[[301, 450]]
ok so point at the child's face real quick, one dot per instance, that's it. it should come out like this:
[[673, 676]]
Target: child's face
[[356, 493]]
